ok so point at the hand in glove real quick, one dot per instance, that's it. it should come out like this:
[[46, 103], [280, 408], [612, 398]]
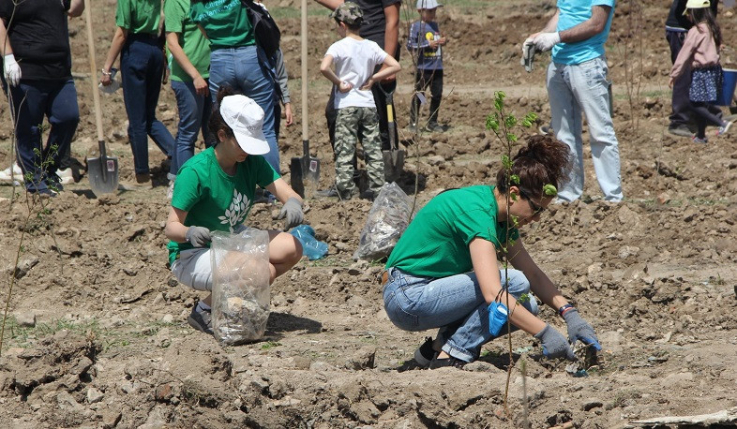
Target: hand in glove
[[198, 236], [11, 70], [292, 210], [554, 344], [546, 41], [578, 329]]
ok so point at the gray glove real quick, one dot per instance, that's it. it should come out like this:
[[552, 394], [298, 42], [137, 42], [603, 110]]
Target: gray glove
[[578, 329], [292, 210], [198, 236], [555, 344]]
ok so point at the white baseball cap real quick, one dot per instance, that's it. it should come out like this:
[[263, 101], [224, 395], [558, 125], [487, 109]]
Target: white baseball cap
[[428, 4], [246, 119], [696, 4]]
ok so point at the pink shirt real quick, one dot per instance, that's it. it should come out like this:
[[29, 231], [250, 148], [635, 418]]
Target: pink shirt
[[699, 50]]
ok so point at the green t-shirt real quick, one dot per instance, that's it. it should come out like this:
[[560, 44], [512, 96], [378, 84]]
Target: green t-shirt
[[225, 22], [214, 199], [195, 45], [138, 16], [435, 244]]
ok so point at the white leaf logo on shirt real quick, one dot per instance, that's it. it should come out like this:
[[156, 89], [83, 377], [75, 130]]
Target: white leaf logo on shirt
[[236, 213]]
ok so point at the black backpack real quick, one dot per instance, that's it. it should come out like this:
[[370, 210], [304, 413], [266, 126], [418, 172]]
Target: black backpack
[[264, 28]]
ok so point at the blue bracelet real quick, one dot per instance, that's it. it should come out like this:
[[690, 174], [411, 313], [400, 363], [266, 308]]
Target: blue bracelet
[[563, 309]]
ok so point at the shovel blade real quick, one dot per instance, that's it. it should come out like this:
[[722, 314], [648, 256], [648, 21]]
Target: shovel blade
[[103, 175], [297, 176], [393, 164]]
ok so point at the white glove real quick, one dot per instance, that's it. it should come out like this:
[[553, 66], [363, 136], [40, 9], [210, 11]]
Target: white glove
[[11, 70], [546, 41]]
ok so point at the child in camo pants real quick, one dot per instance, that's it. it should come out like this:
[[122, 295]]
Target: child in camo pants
[[355, 60]]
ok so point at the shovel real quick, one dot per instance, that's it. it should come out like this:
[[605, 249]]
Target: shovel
[[103, 170], [306, 168], [393, 158]]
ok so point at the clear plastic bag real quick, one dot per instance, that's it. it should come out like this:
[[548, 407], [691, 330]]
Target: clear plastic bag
[[240, 285], [387, 220]]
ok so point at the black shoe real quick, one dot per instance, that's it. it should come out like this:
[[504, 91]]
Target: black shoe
[[200, 320], [434, 127], [447, 362], [331, 192], [681, 130], [425, 353], [44, 193]]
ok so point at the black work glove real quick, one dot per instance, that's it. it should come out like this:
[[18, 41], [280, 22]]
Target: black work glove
[[198, 236], [292, 210], [555, 344], [578, 329]]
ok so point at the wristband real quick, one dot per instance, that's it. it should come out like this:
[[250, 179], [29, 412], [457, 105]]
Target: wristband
[[565, 309], [105, 73]]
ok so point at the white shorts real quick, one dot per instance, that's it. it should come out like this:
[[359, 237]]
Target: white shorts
[[194, 268]]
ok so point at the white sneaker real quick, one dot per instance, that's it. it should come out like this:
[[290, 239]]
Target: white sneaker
[[65, 175], [7, 177]]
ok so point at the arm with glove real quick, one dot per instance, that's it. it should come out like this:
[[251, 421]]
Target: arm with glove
[[11, 68], [549, 37], [175, 230], [292, 209]]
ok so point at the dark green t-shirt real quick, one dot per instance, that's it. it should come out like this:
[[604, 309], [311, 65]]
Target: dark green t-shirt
[[436, 242], [214, 199], [225, 22]]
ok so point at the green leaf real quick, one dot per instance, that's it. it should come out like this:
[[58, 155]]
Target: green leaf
[[492, 122], [549, 190], [512, 137], [510, 121]]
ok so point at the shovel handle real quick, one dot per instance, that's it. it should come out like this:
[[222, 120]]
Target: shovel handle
[[305, 108], [93, 74]]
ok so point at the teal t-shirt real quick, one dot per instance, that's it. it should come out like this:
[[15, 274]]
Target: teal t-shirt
[[214, 199], [138, 16], [572, 13], [195, 45], [225, 22], [435, 244]]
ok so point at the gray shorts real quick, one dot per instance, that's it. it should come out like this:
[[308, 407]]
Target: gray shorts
[[194, 268]]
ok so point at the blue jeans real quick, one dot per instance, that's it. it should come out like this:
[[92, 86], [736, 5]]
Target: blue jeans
[[141, 67], [32, 99], [194, 112], [454, 304], [239, 69], [584, 88]]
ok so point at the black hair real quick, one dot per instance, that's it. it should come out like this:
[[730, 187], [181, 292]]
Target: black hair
[[216, 121], [705, 15], [544, 161], [356, 26]]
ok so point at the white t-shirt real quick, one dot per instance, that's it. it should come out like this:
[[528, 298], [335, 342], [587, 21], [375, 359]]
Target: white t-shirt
[[355, 61]]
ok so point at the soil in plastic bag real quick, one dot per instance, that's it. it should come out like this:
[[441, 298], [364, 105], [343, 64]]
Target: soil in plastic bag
[[240, 285], [387, 220]]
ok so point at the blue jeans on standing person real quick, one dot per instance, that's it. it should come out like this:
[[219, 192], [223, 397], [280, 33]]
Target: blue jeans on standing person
[[584, 88], [454, 304], [142, 67], [239, 68], [32, 99], [194, 112]]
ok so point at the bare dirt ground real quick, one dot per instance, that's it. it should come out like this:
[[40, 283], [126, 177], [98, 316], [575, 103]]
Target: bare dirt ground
[[97, 334]]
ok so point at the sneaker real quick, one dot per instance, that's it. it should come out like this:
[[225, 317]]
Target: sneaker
[[425, 353], [331, 192], [681, 130], [724, 128], [447, 362], [200, 320], [546, 130], [65, 176], [700, 140], [434, 127], [7, 175], [55, 183], [44, 193]]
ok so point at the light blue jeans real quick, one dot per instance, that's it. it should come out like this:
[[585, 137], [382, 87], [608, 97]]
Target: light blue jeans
[[239, 69], [454, 304], [584, 88]]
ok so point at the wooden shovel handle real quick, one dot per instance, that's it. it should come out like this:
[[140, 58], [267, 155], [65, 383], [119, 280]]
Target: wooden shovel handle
[[93, 70], [305, 111]]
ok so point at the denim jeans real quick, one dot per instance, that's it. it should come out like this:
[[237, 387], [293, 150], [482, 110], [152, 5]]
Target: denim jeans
[[584, 88], [141, 67], [454, 304], [194, 113], [240, 69], [32, 99]]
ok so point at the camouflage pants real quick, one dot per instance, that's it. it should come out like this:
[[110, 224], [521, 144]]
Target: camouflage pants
[[351, 124]]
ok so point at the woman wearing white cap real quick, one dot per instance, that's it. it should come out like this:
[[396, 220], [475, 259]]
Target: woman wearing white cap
[[214, 191]]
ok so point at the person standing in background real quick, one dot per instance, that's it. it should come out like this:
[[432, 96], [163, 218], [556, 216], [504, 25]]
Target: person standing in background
[[142, 59], [190, 70], [37, 76]]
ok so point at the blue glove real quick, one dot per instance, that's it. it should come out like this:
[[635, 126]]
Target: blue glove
[[578, 329], [555, 344], [292, 210]]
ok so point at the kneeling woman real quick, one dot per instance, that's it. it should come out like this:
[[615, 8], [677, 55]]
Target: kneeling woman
[[214, 191], [443, 273]]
